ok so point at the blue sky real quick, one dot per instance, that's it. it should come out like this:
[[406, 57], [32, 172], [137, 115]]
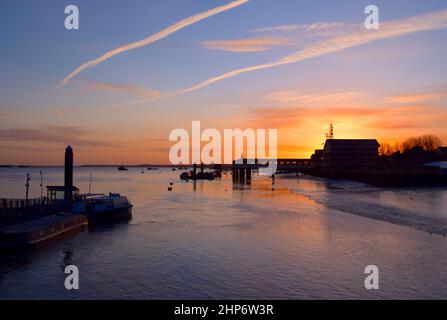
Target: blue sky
[[37, 53]]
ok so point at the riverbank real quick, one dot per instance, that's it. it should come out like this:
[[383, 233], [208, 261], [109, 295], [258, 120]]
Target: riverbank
[[386, 176]]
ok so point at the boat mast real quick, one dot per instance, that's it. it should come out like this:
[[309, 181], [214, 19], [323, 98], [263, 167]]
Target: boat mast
[[41, 184], [90, 184]]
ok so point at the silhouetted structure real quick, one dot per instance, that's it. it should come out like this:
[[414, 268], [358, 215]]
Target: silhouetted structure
[[330, 133], [67, 191], [317, 156], [59, 193], [413, 158], [202, 175], [350, 153], [442, 151], [68, 176]]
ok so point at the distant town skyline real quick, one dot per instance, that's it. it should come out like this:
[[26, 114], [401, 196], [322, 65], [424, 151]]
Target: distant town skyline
[[295, 66]]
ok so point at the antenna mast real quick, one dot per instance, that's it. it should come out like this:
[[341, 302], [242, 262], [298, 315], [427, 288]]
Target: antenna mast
[[330, 134]]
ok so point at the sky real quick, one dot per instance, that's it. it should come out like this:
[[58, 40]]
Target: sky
[[133, 72]]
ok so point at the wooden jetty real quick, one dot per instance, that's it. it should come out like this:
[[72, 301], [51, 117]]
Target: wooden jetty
[[242, 168], [26, 222]]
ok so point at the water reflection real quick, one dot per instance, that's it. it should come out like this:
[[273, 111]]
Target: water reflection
[[215, 240]]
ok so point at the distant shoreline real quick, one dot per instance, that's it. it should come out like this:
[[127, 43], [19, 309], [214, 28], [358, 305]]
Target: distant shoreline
[[97, 165]]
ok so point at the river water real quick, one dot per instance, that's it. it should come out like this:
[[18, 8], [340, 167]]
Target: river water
[[303, 238]]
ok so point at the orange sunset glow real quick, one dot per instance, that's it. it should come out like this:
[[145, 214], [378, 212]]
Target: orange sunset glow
[[298, 77]]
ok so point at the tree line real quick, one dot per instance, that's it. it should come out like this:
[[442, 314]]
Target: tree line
[[426, 142]]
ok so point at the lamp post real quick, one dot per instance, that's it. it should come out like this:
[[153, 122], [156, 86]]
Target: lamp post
[[28, 179], [41, 185]]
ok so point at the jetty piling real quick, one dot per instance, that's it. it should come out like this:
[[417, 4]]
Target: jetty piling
[[242, 172]]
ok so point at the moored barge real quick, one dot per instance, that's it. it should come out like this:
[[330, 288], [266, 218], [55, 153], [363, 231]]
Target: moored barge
[[36, 231]]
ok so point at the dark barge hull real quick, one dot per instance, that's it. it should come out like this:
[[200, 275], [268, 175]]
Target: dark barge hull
[[110, 216], [34, 232]]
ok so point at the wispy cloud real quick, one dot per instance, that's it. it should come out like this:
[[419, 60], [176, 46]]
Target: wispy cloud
[[153, 38], [134, 90], [291, 96], [353, 118], [256, 44], [419, 98], [292, 117], [391, 29], [319, 26], [437, 20], [51, 134]]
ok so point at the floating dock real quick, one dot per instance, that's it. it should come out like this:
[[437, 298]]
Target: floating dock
[[27, 222], [33, 232]]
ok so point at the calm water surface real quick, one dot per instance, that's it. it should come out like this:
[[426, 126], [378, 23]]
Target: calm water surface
[[307, 238]]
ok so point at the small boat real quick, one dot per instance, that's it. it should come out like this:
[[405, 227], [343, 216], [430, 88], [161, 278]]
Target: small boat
[[150, 168], [36, 231], [200, 175], [100, 208], [185, 176], [122, 168]]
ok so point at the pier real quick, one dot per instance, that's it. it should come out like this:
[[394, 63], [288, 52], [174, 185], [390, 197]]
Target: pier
[[14, 211], [242, 169], [26, 222], [59, 198]]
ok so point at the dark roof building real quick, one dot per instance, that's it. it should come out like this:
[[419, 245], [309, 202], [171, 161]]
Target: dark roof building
[[350, 153], [317, 155]]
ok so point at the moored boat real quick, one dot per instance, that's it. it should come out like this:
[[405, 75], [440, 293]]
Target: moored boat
[[100, 208], [200, 175], [122, 168]]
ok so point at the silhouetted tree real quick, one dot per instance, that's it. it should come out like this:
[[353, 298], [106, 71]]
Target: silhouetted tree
[[386, 149], [430, 142], [426, 142]]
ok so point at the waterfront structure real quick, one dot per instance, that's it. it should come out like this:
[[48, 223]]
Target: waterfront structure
[[68, 190], [317, 156], [68, 174], [39, 230], [442, 151], [59, 193], [350, 153]]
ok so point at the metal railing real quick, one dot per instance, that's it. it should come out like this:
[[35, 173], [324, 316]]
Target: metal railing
[[22, 203], [13, 211]]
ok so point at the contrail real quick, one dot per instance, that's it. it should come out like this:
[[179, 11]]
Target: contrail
[[387, 30], [153, 38], [391, 29]]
